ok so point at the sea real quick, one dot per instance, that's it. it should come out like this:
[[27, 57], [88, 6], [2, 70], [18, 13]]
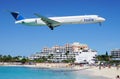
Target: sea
[[41, 73]]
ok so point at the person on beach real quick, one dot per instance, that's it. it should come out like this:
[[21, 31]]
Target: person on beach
[[117, 77], [117, 67], [100, 67]]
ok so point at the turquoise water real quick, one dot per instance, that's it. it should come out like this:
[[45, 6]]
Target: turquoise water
[[34, 73]]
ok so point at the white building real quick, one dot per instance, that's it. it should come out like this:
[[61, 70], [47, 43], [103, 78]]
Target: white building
[[115, 53], [80, 52], [86, 56], [77, 47]]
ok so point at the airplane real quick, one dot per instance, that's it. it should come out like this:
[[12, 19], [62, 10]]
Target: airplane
[[53, 22]]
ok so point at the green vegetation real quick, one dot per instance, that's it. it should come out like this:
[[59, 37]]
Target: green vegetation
[[69, 60], [23, 60], [40, 60], [67, 53], [9, 58], [107, 59]]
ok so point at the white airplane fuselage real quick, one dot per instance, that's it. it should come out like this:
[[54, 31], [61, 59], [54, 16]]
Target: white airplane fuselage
[[85, 19]]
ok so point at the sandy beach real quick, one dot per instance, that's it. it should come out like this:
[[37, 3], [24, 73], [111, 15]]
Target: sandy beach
[[48, 65], [109, 73]]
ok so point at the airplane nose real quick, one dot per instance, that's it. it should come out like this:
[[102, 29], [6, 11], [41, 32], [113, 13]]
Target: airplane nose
[[101, 19]]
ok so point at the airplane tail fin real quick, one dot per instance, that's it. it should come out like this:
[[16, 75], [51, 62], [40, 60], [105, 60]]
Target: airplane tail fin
[[16, 15]]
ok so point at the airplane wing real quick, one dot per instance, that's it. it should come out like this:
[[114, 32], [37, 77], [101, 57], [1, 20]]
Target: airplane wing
[[49, 22]]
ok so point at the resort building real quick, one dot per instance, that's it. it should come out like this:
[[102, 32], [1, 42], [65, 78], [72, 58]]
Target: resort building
[[115, 53], [77, 47], [80, 52], [86, 56]]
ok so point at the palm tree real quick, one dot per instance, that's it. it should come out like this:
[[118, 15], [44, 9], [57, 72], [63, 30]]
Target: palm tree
[[67, 52], [9, 58], [0, 58], [50, 56], [44, 58], [16, 59], [103, 57]]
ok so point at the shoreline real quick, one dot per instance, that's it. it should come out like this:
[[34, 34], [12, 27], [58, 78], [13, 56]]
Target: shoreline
[[109, 73], [53, 66]]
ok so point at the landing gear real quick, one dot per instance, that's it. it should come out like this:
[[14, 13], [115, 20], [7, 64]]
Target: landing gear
[[51, 27]]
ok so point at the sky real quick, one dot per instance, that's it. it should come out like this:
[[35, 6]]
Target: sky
[[16, 39]]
